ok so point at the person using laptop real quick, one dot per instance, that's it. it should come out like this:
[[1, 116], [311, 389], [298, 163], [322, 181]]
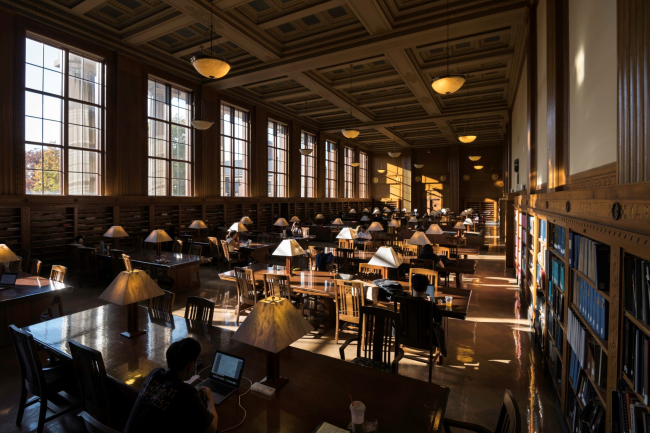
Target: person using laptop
[[232, 239], [167, 404]]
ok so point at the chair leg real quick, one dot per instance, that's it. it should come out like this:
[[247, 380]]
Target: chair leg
[[336, 332], [238, 310], [41, 415], [21, 403], [49, 311]]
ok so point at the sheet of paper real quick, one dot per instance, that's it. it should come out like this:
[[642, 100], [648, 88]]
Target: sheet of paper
[[329, 428]]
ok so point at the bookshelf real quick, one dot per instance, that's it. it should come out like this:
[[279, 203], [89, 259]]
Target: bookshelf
[[591, 274]]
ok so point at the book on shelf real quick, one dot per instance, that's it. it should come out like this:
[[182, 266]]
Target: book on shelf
[[590, 356], [591, 258], [592, 418], [635, 358], [542, 230], [557, 272], [629, 415], [557, 239], [592, 306], [637, 288], [556, 299]]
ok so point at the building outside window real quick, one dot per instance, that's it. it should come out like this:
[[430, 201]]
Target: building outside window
[[363, 175], [348, 171], [331, 173], [277, 159], [235, 151]]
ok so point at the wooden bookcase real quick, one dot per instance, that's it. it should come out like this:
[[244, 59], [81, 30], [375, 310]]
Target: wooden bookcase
[[587, 222]]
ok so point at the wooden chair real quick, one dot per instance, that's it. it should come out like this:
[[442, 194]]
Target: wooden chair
[[195, 250], [442, 251], [215, 253], [246, 290], [509, 419], [279, 285], [93, 384], [35, 268], [368, 246], [370, 272], [417, 319], [345, 260], [349, 300], [230, 258], [117, 262], [177, 246], [431, 275], [409, 250], [15, 266], [27, 259], [346, 243], [423, 264], [57, 274], [164, 303], [88, 265], [199, 310], [375, 340], [45, 383]]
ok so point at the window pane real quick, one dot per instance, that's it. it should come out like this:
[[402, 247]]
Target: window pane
[[53, 82], [33, 77], [33, 129], [53, 58], [51, 182], [34, 52]]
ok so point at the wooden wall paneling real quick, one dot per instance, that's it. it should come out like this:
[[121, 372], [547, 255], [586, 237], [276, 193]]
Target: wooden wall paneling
[[633, 87], [116, 216], [25, 227], [557, 93], [531, 100], [18, 107], [152, 220], [110, 178], [259, 152], [454, 179], [52, 229], [320, 166], [7, 48], [92, 221], [340, 167], [10, 224]]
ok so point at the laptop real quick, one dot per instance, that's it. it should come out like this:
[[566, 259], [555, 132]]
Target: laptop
[[8, 280], [224, 377], [248, 243]]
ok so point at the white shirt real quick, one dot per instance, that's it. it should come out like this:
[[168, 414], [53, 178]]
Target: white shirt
[[364, 235]]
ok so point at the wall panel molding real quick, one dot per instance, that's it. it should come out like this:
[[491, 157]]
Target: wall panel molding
[[605, 175]]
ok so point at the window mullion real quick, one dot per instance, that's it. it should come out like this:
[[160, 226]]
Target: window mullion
[[64, 165]]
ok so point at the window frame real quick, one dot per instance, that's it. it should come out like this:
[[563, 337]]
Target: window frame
[[232, 138], [169, 159], [348, 172], [64, 147], [363, 174], [331, 169], [307, 182], [277, 189]]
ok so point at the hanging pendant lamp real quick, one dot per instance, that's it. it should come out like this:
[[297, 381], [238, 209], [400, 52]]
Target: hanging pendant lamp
[[350, 132], [478, 167], [209, 66], [448, 83], [474, 158], [201, 123], [467, 137], [381, 170]]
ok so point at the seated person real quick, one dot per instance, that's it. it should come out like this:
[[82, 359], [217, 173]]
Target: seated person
[[232, 239], [79, 240], [296, 230], [363, 233], [167, 404], [428, 254], [419, 284]]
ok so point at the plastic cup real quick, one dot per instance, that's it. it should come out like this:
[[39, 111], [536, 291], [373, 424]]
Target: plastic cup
[[448, 300], [358, 410]]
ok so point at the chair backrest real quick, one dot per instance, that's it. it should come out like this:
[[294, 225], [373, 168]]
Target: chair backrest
[[377, 325], [370, 272], [27, 259], [214, 247], [277, 285], [164, 303], [91, 375], [451, 240], [368, 245], [87, 258], [28, 360], [509, 418], [224, 248], [409, 250], [117, 262], [245, 281], [116, 254], [423, 264], [199, 309], [431, 275], [416, 319], [345, 259], [16, 265], [349, 299], [127, 262], [442, 251], [58, 273], [346, 243], [195, 250], [177, 246], [35, 268]]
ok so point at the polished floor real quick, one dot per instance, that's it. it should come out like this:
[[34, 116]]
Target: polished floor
[[489, 352]]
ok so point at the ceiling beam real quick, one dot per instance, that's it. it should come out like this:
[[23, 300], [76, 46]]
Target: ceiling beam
[[372, 47], [370, 15], [85, 6], [224, 5], [194, 48], [301, 14], [148, 33]]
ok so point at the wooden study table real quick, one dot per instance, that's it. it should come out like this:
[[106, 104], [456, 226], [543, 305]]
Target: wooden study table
[[23, 304], [317, 389], [180, 268]]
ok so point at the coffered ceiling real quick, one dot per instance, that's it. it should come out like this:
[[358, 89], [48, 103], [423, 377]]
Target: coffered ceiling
[[333, 63]]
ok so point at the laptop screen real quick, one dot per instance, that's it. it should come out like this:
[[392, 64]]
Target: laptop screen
[[7, 279], [227, 368]]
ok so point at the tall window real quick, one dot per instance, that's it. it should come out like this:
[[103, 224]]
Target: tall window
[[363, 175], [64, 120], [348, 159], [277, 159], [170, 140], [331, 173], [308, 166], [235, 151]]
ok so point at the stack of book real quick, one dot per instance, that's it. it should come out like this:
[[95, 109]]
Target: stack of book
[[556, 331], [635, 358], [629, 415], [637, 288], [557, 238], [590, 357], [591, 305], [592, 418], [542, 230], [591, 258], [556, 299], [557, 272]]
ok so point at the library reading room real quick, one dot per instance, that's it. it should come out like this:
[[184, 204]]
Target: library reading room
[[325, 216]]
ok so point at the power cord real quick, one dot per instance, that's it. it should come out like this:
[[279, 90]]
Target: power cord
[[240, 396]]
